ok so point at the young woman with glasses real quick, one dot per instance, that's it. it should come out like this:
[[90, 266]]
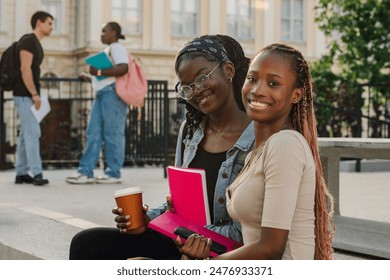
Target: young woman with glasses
[[216, 136], [280, 197]]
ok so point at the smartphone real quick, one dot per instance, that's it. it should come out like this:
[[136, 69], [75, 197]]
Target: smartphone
[[215, 246]]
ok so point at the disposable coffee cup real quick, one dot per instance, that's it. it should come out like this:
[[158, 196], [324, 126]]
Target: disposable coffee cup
[[130, 200]]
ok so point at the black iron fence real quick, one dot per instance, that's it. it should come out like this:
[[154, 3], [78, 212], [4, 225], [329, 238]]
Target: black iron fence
[[377, 106], [151, 131], [363, 114]]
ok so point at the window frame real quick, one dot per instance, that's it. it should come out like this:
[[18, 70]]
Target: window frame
[[291, 19], [237, 23], [182, 14], [123, 20], [2, 16], [59, 18]]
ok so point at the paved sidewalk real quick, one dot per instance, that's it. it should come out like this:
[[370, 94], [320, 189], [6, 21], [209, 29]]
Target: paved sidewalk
[[39, 222]]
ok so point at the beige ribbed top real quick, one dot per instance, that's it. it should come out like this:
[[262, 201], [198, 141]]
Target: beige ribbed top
[[276, 190]]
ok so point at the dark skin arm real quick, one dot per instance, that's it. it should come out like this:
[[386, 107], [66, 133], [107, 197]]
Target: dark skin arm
[[122, 222], [116, 71], [270, 246]]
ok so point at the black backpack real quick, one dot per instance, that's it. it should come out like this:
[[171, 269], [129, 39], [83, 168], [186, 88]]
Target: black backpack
[[9, 67]]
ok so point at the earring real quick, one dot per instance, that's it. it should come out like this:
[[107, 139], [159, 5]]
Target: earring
[[230, 79]]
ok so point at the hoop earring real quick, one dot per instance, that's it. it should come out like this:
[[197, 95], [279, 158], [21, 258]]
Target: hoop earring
[[230, 79]]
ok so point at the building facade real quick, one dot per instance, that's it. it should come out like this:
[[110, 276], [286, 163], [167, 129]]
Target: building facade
[[156, 29]]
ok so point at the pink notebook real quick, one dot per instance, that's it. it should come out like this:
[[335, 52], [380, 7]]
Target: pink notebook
[[189, 196], [169, 221], [188, 191]]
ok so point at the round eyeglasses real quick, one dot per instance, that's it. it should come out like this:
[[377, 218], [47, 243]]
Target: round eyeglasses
[[201, 82]]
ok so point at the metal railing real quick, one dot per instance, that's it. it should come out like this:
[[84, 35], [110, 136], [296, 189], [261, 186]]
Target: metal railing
[[363, 114], [378, 109], [151, 131]]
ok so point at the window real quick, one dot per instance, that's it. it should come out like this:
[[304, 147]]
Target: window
[[128, 15], [2, 16], [292, 17], [49, 81], [240, 18], [54, 7], [184, 17]]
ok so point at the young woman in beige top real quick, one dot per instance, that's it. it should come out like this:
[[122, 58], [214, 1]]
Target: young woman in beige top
[[280, 197]]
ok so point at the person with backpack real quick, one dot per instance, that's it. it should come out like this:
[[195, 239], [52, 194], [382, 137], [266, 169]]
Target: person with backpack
[[26, 93], [107, 118]]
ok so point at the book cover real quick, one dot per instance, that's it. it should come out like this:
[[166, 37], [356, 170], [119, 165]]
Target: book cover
[[188, 191], [100, 61]]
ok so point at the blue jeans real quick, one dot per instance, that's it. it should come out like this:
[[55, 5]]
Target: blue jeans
[[28, 157], [106, 125]]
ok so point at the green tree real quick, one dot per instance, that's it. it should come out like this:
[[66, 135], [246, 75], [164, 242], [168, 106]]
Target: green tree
[[359, 45]]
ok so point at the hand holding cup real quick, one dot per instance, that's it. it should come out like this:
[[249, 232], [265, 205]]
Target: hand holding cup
[[124, 221], [130, 210]]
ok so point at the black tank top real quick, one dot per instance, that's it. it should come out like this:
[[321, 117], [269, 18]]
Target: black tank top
[[211, 163]]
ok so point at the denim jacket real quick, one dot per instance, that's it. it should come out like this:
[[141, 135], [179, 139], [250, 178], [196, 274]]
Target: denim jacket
[[228, 171]]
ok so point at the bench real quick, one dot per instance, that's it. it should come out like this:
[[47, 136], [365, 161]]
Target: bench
[[352, 234]]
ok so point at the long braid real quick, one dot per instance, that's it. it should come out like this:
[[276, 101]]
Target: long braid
[[303, 120], [241, 63]]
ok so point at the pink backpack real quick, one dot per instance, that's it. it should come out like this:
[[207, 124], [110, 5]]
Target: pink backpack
[[132, 87]]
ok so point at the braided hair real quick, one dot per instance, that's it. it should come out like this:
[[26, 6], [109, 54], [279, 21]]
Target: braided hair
[[235, 55], [303, 120]]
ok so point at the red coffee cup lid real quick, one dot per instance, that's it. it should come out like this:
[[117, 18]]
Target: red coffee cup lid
[[127, 191]]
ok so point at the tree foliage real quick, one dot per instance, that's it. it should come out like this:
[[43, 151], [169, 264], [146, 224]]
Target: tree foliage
[[358, 45], [360, 37]]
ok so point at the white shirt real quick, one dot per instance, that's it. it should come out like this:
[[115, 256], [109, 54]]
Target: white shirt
[[118, 55]]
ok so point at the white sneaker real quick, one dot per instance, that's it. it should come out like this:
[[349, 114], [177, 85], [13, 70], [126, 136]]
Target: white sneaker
[[79, 179], [105, 179]]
